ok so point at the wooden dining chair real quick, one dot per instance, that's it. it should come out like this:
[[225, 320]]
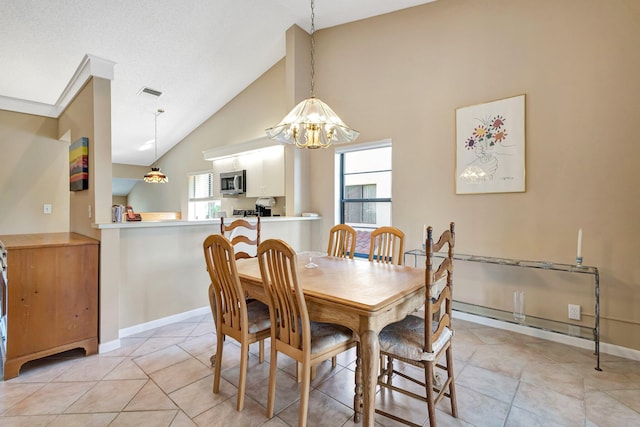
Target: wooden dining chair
[[422, 342], [342, 244], [292, 333], [387, 245], [342, 241], [244, 236], [246, 322]]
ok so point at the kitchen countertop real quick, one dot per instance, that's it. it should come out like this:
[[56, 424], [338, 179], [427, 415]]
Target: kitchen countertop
[[181, 223]]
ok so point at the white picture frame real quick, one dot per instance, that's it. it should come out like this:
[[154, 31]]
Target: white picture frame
[[490, 147]]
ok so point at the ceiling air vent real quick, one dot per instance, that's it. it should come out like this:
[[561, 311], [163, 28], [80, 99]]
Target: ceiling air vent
[[147, 91]]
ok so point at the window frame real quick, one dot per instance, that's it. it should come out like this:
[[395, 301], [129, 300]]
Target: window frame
[[339, 182]]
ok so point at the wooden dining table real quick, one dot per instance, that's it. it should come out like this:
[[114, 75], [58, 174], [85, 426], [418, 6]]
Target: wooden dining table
[[361, 295]]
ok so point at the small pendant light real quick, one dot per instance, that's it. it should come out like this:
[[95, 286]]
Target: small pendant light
[[155, 176]]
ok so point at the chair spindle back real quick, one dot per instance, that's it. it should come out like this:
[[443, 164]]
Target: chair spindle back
[[434, 314], [342, 241]]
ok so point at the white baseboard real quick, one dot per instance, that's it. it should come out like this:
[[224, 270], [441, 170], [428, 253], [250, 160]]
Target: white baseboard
[[607, 348], [108, 346], [142, 327]]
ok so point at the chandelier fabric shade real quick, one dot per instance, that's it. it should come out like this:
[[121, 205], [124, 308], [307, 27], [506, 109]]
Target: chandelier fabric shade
[[312, 123], [155, 176]]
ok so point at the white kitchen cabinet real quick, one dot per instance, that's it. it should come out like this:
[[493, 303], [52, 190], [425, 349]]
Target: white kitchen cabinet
[[265, 172], [252, 163]]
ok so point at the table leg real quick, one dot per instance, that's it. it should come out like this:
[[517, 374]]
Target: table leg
[[357, 399], [370, 365]]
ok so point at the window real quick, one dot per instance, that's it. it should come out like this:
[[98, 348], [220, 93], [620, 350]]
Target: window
[[202, 204], [365, 190]]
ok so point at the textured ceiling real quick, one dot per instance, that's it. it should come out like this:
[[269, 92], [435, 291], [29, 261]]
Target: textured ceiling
[[199, 53]]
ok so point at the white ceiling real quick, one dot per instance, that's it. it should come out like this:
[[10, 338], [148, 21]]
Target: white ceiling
[[198, 53]]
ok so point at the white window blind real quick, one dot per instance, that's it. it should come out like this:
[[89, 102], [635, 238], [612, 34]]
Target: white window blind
[[201, 187], [202, 204]]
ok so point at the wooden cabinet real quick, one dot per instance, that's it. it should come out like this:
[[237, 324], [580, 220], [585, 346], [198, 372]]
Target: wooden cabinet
[[52, 296]]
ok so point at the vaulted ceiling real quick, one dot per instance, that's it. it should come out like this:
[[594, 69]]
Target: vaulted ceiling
[[198, 53]]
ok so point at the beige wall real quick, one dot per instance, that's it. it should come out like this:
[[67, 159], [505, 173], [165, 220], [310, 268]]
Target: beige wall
[[402, 76], [89, 115], [34, 170], [128, 171], [34, 166], [243, 119]]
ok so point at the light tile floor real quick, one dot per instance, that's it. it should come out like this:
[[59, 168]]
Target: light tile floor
[[163, 378]]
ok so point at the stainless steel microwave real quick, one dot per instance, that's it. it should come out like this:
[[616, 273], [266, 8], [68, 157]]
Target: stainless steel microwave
[[233, 182]]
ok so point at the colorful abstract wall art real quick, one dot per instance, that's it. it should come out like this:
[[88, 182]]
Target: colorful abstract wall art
[[79, 165]]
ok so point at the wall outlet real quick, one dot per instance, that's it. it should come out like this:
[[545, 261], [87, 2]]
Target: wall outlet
[[574, 312], [46, 208]]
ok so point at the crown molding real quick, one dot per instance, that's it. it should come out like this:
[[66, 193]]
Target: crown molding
[[90, 66]]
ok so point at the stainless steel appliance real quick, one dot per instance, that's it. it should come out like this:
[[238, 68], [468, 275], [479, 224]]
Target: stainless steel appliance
[[264, 205], [244, 212], [232, 183], [117, 212]]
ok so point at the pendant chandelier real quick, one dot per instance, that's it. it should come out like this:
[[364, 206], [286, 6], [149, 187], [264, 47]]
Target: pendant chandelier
[[312, 123], [155, 176]]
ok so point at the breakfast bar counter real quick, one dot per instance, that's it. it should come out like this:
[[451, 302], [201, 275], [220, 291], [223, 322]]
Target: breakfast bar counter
[[153, 272]]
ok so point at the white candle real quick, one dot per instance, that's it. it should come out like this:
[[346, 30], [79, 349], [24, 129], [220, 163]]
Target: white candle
[[424, 233], [579, 255]]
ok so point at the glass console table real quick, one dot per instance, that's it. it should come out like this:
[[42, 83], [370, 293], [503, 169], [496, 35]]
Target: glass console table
[[565, 328]]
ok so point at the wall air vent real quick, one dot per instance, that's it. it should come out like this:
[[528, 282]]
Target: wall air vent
[[147, 91]]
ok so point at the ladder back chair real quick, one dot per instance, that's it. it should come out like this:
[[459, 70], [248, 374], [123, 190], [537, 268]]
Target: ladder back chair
[[292, 333], [245, 238], [422, 342], [241, 234], [245, 321], [387, 245], [342, 241]]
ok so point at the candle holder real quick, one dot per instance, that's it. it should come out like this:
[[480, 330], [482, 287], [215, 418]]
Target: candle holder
[[579, 261]]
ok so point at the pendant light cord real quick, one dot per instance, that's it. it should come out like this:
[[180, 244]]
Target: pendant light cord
[[313, 48], [155, 140]]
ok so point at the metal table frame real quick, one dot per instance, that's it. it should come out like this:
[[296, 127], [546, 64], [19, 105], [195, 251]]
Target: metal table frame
[[532, 321]]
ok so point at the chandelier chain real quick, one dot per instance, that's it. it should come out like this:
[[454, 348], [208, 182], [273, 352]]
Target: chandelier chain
[[313, 48]]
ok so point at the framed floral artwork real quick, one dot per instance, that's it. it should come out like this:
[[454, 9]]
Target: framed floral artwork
[[490, 149]]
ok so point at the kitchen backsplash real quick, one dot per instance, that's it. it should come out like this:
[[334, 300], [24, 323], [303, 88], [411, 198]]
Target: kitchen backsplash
[[249, 203]]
